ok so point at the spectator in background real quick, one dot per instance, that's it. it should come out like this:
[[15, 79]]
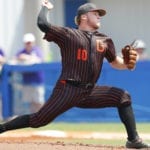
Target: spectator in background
[[140, 47], [33, 82]]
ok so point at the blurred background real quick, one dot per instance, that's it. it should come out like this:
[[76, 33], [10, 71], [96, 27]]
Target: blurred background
[[125, 21]]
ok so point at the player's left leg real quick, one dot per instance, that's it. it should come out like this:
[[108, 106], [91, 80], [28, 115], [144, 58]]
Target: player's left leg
[[104, 96]]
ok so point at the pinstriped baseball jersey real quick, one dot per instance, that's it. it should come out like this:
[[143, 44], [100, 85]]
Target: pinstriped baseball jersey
[[82, 58], [82, 52]]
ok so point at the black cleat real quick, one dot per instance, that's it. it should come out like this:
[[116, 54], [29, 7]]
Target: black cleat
[[137, 144]]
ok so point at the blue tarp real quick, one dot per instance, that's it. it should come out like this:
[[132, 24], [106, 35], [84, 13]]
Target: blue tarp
[[135, 82]]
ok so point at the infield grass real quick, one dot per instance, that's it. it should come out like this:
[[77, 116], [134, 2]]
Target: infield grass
[[95, 127]]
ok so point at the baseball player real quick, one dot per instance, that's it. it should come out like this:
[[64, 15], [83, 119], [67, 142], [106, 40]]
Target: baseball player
[[83, 51]]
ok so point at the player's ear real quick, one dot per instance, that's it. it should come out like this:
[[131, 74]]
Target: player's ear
[[83, 17]]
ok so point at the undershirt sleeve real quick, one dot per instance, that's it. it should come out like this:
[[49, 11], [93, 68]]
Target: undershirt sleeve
[[42, 21]]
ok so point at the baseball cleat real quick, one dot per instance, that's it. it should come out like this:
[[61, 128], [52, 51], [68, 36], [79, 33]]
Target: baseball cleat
[[137, 144]]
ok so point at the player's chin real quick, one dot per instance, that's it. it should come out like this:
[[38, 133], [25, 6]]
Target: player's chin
[[98, 25]]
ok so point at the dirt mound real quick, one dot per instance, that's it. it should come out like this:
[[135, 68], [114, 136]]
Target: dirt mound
[[49, 140]]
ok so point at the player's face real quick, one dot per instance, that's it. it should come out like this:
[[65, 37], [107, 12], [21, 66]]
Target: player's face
[[140, 50], [29, 45], [93, 19]]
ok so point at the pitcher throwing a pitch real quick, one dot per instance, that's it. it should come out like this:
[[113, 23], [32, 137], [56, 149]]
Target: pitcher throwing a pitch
[[83, 51]]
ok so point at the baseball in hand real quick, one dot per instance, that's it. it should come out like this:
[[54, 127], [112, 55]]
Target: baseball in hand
[[48, 4]]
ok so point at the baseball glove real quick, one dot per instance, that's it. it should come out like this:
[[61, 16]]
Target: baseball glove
[[129, 56]]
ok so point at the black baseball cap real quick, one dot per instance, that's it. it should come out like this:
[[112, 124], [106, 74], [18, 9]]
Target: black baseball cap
[[88, 7]]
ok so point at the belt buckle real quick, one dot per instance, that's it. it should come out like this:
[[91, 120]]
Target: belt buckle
[[72, 82]]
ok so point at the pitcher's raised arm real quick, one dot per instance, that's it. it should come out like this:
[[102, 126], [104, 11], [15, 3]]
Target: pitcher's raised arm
[[42, 20]]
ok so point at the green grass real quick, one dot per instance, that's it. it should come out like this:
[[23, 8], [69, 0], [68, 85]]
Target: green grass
[[94, 127]]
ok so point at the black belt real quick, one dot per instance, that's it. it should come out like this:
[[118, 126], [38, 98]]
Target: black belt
[[78, 84]]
